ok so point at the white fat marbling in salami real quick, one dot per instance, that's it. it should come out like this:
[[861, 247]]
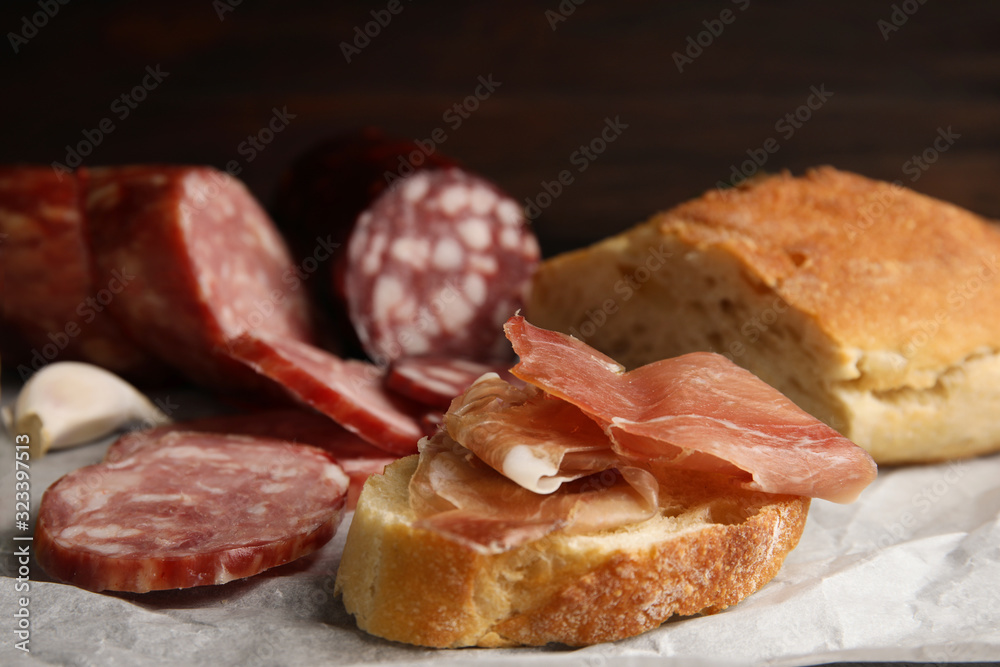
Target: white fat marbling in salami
[[351, 392], [435, 381], [357, 458], [198, 509], [201, 262], [436, 265]]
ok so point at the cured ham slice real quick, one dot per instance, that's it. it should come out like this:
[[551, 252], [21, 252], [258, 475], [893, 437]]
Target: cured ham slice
[[586, 446], [534, 440], [457, 495], [350, 392], [357, 458], [200, 509], [697, 411]]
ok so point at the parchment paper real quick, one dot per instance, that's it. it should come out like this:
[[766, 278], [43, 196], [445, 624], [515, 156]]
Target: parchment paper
[[909, 572]]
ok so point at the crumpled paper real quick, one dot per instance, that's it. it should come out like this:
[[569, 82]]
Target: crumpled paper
[[910, 572]]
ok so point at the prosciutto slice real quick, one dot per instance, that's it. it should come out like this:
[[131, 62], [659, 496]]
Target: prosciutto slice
[[697, 411], [532, 439], [456, 494]]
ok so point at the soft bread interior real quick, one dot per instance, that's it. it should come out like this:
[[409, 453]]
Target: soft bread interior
[[647, 295], [711, 545]]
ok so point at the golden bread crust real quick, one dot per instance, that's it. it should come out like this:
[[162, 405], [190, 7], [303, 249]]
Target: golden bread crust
[[869, 261], [713, 548]]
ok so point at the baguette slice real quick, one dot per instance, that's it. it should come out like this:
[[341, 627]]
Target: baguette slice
[[711, 546], [873, 307]]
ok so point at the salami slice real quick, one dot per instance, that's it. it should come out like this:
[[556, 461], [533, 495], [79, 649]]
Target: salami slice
[[326, 189], [349, 391], [200, 509], [435, 381], [320, 198], [203, 263], [431, 422], [289, 424], [52, 297], [359, 470], [435, 267], [357, 458]]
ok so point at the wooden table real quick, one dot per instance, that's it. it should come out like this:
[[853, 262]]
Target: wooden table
[[698, 88]]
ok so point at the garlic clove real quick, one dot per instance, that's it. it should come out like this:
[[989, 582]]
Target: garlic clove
[[69, 403]]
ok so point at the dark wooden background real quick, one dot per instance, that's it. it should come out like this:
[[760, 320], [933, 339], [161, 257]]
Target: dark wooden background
[[686, 130]]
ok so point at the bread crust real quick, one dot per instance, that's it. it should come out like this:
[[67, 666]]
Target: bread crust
[[873, 307], [866, 259], [712, 549]]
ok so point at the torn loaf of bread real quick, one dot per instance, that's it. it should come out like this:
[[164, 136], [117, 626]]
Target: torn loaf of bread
[[873, 307]]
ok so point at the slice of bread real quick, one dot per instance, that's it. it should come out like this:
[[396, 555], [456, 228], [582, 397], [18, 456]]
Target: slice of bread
[[712, 545], [874, 308]]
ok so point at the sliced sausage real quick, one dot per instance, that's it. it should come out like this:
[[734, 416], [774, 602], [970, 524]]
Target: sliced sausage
[[435, 381], [199, 509], [203, 263], [436, 266], [357, 458], [349, 391], [53, 299], [320, 198]]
